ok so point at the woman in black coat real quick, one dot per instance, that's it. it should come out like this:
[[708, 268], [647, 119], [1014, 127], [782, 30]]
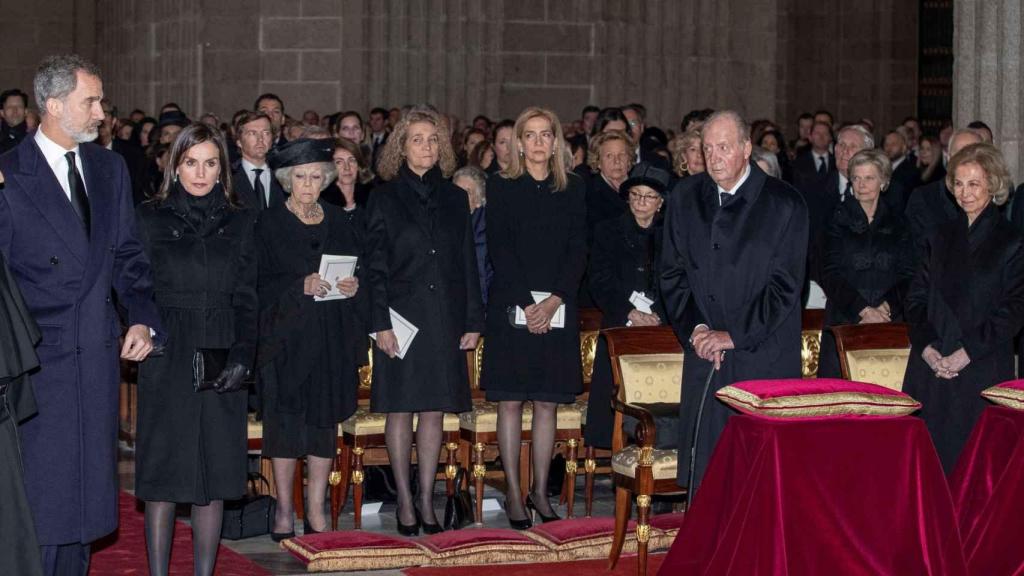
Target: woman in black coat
[[422, 266], [191, 445], [309, 350], [966, 303], [536, 237], [624, 262], [19, 335], [868, 257], [610, 156], [352, 188]]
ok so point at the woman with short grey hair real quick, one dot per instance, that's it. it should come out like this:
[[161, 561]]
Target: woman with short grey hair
[[312, 336], [766, 161], [868, 264]]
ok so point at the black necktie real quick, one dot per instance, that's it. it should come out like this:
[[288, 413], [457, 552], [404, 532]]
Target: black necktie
[[258, 187], [821, 165], [848, 191], [79, 200], [723, 197]]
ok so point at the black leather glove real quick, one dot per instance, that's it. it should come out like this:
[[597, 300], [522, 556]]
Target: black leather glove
[[231, 378]]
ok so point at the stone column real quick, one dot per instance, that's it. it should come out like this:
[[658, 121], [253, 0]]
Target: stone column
[[986, 73]]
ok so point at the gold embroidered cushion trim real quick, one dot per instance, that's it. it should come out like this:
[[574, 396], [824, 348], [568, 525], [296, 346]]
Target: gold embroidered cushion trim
[[651, 378], [883, 366], [367, 557], [666, 462], [827, 404], [1005, 396]]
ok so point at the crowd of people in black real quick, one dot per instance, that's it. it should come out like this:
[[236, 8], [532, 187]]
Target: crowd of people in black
[[503, 229]]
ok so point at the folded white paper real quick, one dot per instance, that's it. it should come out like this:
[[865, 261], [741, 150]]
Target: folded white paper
[[641, 302], [557, 321], [404, 331], [816, 299], [332, 269]]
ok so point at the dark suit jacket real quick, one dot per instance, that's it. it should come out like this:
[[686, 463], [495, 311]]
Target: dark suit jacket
[[737, 268], [929, 207], [135, 161], [906, 174], [66, 278], [805, 171], [246, 194]]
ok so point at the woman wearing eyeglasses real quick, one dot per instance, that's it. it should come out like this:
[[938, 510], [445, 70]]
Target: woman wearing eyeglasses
[[623, 263]]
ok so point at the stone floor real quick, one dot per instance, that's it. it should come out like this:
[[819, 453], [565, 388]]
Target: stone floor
[[268, 554]]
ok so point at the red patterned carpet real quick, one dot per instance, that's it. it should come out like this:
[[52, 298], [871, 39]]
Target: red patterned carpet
[[625, 567], [124, 552]]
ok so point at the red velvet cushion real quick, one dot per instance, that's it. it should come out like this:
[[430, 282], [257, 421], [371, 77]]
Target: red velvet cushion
[[1009, 394], [815, 397], [355, 550], [563, 532]]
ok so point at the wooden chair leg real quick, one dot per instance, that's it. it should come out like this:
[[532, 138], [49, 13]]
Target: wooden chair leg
[[570, 477], [479, 470], [339, 482], [643, 531], [297, 490], [451, 469], [589, 466], [357, 486], [525, 471], [623, 503]]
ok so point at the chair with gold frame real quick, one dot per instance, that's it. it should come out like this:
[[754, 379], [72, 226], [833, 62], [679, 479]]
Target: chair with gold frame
[[361, 443], [810, 341], [647, 368], [873, 353]]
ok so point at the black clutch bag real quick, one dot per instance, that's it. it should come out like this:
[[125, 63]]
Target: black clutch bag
[[250, 516], [207, 364]]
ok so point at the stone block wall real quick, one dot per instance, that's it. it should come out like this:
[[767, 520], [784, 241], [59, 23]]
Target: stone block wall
[[766, 58]]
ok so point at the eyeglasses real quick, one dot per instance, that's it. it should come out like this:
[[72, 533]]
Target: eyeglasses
[[641, 198]]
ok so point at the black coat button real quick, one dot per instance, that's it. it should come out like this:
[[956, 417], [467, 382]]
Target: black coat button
[[716, 246], [432, 252], [432, 287], [78, 349], [108, 299], [711, 297], [54, 260]]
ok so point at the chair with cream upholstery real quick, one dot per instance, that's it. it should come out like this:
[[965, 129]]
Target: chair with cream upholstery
[[873, 353], [361, 443], [647, 369], [479, 436]]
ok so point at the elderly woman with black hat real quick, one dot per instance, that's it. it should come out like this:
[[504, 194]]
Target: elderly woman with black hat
[[624, 283], [309, 347]]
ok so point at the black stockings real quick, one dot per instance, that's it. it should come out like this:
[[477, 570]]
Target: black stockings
[[206, 525], [398, 435], [510, 426]]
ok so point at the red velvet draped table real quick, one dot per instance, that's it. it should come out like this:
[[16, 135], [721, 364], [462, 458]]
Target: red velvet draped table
[[988, 491], [845, 495]]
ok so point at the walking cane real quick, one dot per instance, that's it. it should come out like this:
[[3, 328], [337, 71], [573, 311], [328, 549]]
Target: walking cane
[[696, 433]]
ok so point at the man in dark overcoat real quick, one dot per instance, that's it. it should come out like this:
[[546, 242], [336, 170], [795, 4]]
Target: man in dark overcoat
[[733, 261], [67, 229]]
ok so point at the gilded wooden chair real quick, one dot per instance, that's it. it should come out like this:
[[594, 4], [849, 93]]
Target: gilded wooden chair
[[873, 353], [479, 437], [810, 341], [361, 443], [647, 368]]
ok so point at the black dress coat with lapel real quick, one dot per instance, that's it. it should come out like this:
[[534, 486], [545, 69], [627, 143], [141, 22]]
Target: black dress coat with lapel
[[66, 278], [190, 446], [907, 174], [247, 195], [737, 268], [603, 203], [135, 160], [865, 264], [422, 264], [968, 292], [309, 352], [536, 238], [624, 258], [929, 207]]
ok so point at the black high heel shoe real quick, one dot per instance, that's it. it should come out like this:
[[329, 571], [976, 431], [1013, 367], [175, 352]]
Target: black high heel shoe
[[524, 524], [408, 529], [533, 508], [279, 536], [427, 528]]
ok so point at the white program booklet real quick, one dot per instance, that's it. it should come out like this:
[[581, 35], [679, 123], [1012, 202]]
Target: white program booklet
[[641, 302], [816, 297], [557, 321], [404, 331], [332, 269]]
